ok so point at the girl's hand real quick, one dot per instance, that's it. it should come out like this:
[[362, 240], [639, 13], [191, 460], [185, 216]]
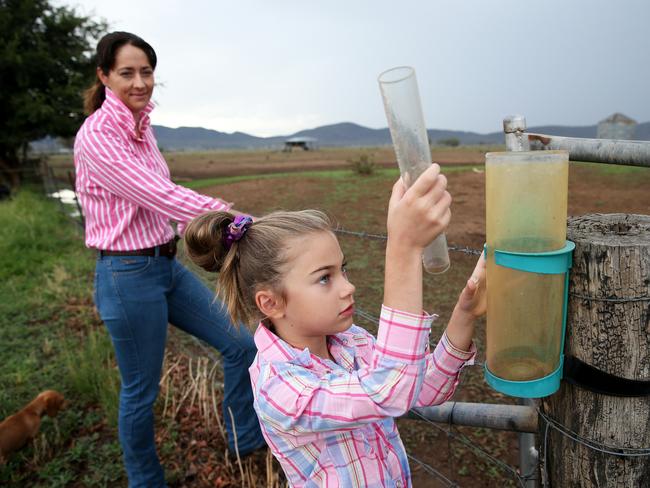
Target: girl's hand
[[418, 215], [473, 298]]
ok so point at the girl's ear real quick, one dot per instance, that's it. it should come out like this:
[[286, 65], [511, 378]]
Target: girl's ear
[[270, 304]]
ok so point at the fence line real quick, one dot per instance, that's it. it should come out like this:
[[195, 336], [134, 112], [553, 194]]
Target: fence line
[[462, 438], [433, 471], [53, 185], [383, 237], [590, 443]]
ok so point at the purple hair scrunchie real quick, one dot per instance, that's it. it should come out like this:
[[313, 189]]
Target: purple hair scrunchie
[[236, 229]]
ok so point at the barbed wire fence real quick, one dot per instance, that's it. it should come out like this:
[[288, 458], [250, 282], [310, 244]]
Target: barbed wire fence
[[54, 184], [62, 189]]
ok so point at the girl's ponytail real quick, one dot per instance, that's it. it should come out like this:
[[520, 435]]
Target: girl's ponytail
[[204, 240], [206, 247]]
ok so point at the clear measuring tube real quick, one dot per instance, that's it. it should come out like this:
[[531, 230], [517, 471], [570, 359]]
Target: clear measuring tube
[[399, 91]]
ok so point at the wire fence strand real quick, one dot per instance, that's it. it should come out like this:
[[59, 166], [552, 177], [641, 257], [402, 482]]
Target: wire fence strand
[[462, 438], [383, 237], [433, 471], [620, 451]]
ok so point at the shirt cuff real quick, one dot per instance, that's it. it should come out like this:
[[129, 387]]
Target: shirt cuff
[[462, 357], [403, 336]]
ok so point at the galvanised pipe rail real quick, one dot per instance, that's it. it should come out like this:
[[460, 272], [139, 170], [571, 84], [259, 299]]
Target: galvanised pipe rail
[[516, 418], [610, 151]]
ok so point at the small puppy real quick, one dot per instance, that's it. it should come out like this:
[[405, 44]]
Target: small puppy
[[22, 426]]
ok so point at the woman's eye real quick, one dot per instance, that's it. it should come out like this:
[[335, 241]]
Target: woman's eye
[[344, 269], [323, 280]]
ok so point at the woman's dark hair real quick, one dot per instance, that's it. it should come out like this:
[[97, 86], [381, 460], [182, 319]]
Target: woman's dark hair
[[107, 48]]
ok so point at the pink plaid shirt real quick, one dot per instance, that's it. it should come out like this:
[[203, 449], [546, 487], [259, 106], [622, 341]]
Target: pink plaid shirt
[[330, 424], [123, 182]]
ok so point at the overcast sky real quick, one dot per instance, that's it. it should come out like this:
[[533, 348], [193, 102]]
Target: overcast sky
[[275, 67]]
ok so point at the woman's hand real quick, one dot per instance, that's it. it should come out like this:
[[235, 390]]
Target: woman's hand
[[473, 298], [419, 214]]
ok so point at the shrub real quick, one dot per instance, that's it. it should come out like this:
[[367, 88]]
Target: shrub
[[363, 165], [450, 141]]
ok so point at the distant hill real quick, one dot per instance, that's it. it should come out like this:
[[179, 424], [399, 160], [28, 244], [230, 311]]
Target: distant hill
[[347, 134], [343, 134]]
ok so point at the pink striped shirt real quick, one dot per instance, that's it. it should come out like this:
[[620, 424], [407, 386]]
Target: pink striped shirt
[[330, 424], [123, 182]]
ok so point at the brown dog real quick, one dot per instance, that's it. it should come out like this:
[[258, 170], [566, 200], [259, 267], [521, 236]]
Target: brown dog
[[22, 426]]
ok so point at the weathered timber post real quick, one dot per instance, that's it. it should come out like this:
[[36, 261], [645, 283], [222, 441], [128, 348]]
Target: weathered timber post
[[608, 328]]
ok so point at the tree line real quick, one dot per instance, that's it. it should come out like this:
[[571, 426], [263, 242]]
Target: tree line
[[46, 62]]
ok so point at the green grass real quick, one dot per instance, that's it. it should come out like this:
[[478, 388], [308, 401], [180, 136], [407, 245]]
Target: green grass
[[50, 338], [92, 383], [339, 174], [224, 180]]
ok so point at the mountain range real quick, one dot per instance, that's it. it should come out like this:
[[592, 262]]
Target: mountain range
[[347, 134], [342, 134]]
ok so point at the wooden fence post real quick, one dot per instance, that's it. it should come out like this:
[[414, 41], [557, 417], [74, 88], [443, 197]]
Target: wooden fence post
[[608, 327]]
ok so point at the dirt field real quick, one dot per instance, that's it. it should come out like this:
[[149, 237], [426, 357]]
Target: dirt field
[[193, 165], [359, 203]]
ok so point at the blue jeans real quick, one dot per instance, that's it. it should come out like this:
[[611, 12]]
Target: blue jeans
[[137, 296]]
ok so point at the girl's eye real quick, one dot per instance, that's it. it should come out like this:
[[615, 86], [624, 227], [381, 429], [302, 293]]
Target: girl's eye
[[323, 280], [344, 269]]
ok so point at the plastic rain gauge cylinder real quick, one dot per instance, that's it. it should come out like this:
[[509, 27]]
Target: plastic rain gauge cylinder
[[528, 259], [399, 91]]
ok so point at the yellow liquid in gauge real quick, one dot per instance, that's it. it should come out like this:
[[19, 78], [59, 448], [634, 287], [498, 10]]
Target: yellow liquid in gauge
[[526, 212], [524, 322]]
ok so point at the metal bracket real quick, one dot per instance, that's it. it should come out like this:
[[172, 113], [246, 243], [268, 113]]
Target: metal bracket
[[585, 376]]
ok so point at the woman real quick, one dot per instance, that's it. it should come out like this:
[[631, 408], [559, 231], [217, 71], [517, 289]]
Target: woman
[[129, 200]]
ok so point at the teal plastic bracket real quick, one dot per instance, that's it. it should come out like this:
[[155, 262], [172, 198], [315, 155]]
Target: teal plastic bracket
[[537, 388], [552, 262]]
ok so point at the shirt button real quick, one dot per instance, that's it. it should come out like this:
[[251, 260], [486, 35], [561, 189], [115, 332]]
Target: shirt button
[[398, 484]]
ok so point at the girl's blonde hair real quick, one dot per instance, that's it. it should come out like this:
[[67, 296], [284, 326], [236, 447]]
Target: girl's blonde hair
[[254, 262]]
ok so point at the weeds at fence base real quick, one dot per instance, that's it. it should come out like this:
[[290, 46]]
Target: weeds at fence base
[[192, 441], [92, 372]]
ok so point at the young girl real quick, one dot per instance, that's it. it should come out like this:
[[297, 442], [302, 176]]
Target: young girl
[[326, 391]]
